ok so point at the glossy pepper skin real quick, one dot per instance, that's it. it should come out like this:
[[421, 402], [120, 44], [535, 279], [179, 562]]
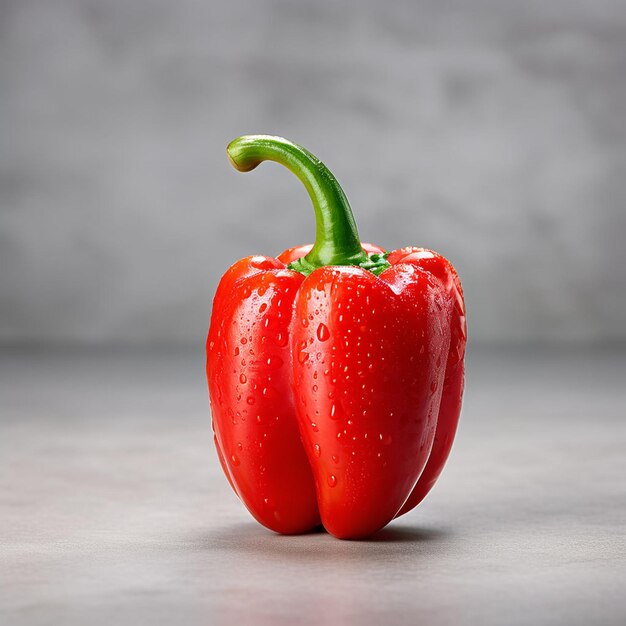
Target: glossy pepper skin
[[335, 371]]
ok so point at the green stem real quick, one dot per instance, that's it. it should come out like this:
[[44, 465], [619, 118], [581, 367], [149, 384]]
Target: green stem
[[336, 237]]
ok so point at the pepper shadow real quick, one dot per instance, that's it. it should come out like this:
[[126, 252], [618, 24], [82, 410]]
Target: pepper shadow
[[404, 533], [395, 541]]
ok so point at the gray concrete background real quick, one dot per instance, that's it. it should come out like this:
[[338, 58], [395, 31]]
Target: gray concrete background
[[491, 131]]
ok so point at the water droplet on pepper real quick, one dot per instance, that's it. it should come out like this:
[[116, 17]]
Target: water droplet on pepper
[[322, 332]]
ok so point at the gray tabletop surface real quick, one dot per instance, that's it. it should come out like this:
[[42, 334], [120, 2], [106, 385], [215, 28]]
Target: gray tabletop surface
[[113, 509]]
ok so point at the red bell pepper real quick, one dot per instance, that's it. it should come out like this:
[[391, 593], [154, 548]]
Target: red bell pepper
[[336, 370]]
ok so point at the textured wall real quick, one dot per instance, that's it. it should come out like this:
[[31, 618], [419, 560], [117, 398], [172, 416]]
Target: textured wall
[[492, 131]]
